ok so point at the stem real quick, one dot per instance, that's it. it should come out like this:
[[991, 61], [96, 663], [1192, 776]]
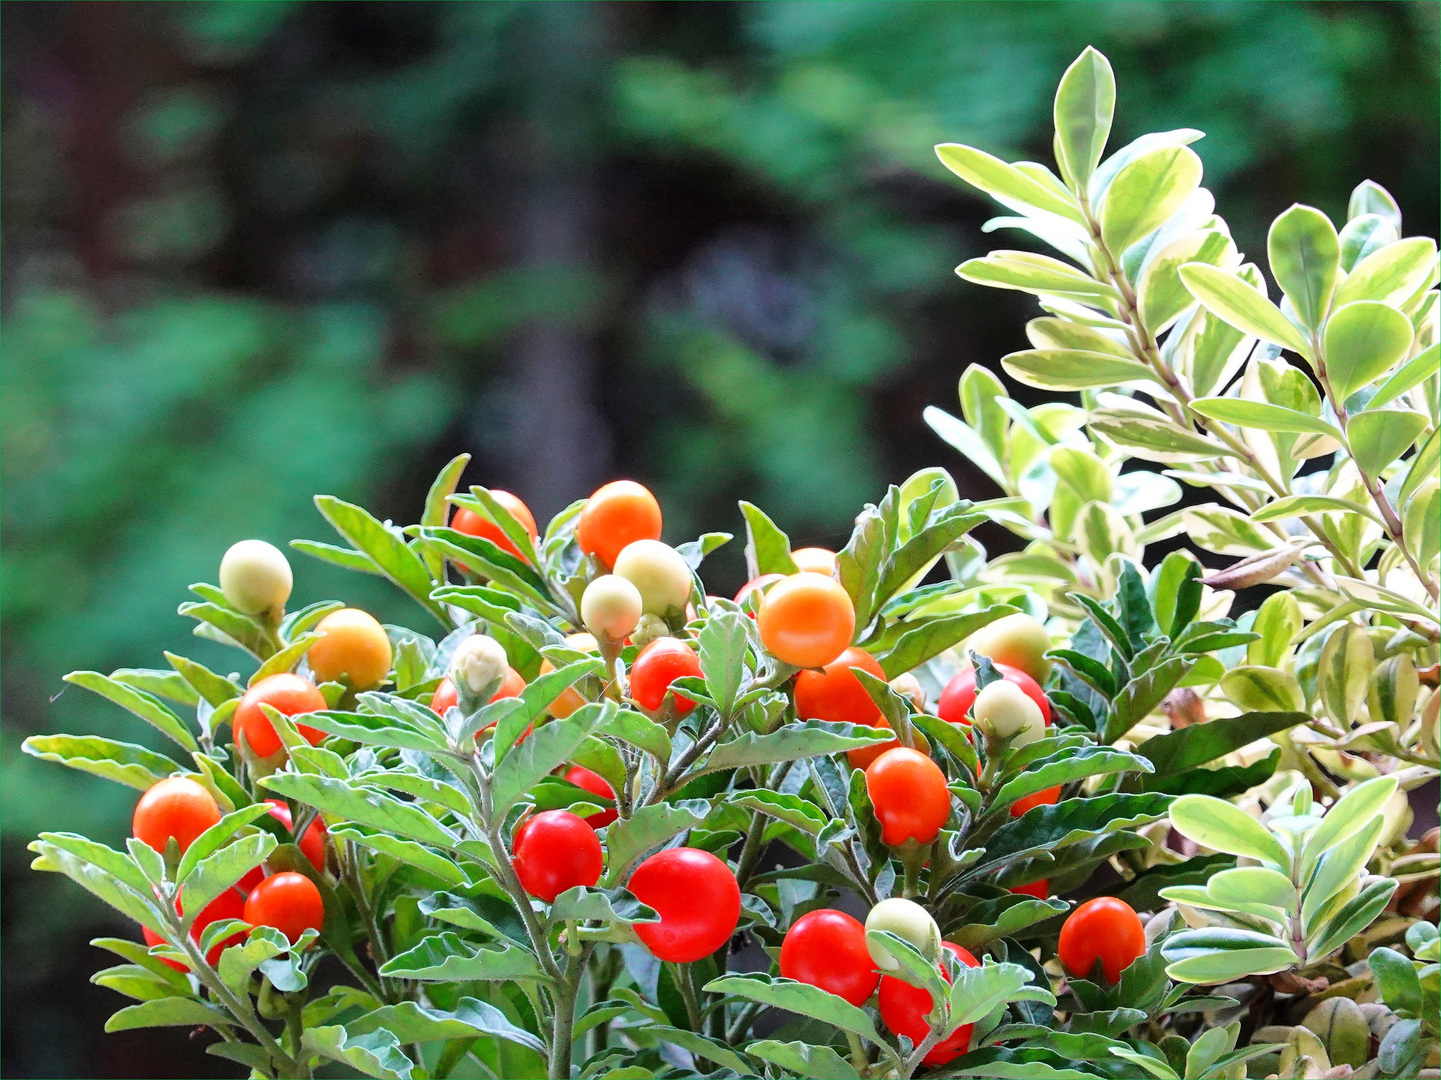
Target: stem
[[681, 978], [350, 873], [742, 1022], [563, 1018], [1143, 346], [858, 1053], [286, 1065]]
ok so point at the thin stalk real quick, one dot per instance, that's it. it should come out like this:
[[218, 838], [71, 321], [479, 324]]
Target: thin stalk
[[563, 1018], [350, 873], [1143, 346], [859, 1060]]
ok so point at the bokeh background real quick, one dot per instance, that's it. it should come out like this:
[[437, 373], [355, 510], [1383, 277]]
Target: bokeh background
[[255, 251]]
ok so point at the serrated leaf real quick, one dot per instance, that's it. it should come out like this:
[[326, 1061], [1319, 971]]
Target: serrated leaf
[[387, 550], [446, 957], [797, 997], [790, 743], [470, 1018], [626, 839], [169, 1012], [547, 748], [146, 706], [125, 763], [407, 851], [377, 1054], [367, 806], [804, 1059]]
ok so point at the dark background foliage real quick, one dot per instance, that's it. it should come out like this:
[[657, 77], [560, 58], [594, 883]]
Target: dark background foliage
[[258, 250]]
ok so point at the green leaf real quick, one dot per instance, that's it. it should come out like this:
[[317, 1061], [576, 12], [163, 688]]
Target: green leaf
[[627, 839], [1152, 438], [1305, 254], [470, 1018], [1234, 301], [722, 646], [1066, 766], [910, 643], [1147, 191], [768, 550], [1370, 197], [791, 742], [348, 558], [1264, 689], [1142, 694], [1032, 273], [1410, 375], [964, 438], [168, 684], [367, 806], [548, 747], [446, 957], [377, 1054], [1216, 824], [125, 763], [215, 837], [407, 851], [804, 1059], [1085, 102], [797, 997], [219, 622], [390, 553], [1224, 955], [1379, 437], [630, 726], [215, 689], [169, 1012], [1340, 865], [1058, 369], [1392, 274], [285, 659], [1363, 235], [1191, 747], [1352, 812], [146, 706], [373, 729], [1066, 823], [1254, 885], [1295, 505], [1162, 293], [791, 809], [1262, 415], [214, 874], [1012, 919], [1363, 341], [693, 1043], [1005, 183], [975, 991]]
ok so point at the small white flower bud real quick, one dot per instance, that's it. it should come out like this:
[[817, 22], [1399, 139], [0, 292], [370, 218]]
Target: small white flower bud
[[477, 668], [908, 686]]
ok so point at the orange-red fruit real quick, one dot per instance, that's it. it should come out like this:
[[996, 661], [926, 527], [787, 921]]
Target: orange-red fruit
[[228, 905], [286, 693], [353, 648], [556, 851], [658, 665], [177, 807], [836, 694], [312, 844], [596, 784], [473, 524], [289, 902], [1106, 929], [908, 792], [1039, 889], [1049, 797], [697, 898], [862, 757], [827, 948], [806, 620], [904, 1008], [617, 514]]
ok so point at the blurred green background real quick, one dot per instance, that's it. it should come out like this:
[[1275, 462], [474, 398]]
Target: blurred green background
[[255, 251]]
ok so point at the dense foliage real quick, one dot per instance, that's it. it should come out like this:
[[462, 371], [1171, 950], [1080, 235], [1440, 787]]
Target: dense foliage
[[1275, 746]]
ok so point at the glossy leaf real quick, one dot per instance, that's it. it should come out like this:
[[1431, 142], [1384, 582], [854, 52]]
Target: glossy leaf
[[1305, 254], [1145, 193], [1085, 102], [1063, 369], [1363, 341], [1233, 300]]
